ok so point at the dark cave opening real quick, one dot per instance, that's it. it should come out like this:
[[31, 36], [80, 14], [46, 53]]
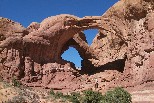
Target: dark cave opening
[[117, 65]]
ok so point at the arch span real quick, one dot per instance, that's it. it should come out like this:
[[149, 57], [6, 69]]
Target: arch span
[[48, 38]]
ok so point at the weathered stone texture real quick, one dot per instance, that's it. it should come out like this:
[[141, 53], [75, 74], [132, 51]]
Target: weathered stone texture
[[34, 53], [128, 33], [122, 53]]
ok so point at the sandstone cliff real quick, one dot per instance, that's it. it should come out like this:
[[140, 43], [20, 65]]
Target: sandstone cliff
[[122, 53]]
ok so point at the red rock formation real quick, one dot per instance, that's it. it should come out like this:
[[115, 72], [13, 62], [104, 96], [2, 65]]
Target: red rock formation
[[128, 35], [121, 54], [35, 55]]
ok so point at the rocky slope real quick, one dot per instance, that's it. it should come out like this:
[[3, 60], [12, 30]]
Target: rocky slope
[[13, 94]]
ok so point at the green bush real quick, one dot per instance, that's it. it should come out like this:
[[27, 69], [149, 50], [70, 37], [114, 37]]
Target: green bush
[[90, 96], [75, 97], [58, 95], [15, 83], [52, 92], [118, 95]]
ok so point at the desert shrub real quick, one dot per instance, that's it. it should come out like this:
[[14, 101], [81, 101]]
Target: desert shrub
[[6, 85], [90, 96], [51, 92], [118, 95], [17, 99], [15, 83], [58, 95], [75, 97], [66, 97]]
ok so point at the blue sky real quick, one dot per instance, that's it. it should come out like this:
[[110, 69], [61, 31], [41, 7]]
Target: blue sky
[[27, 11]]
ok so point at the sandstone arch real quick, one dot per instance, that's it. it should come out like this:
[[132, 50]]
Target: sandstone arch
[[125, 29], [51, 33], [41, 44]]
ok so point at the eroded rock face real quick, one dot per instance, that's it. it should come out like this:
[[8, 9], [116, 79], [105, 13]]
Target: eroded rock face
[[33, 54], [128, 35], [121, 53]]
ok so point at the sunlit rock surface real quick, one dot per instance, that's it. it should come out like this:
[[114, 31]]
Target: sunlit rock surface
[[122, 53]]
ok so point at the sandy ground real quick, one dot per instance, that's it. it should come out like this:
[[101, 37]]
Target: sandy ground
[[143, 96]]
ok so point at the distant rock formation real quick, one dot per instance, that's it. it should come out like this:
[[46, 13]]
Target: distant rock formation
[[122, 53]]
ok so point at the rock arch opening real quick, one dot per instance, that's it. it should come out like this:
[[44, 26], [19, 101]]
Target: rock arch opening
[[90, 35], [72, 55]]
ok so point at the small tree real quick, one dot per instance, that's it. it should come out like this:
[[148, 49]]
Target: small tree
[[118, 95], [75, 97], [90, 96]]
